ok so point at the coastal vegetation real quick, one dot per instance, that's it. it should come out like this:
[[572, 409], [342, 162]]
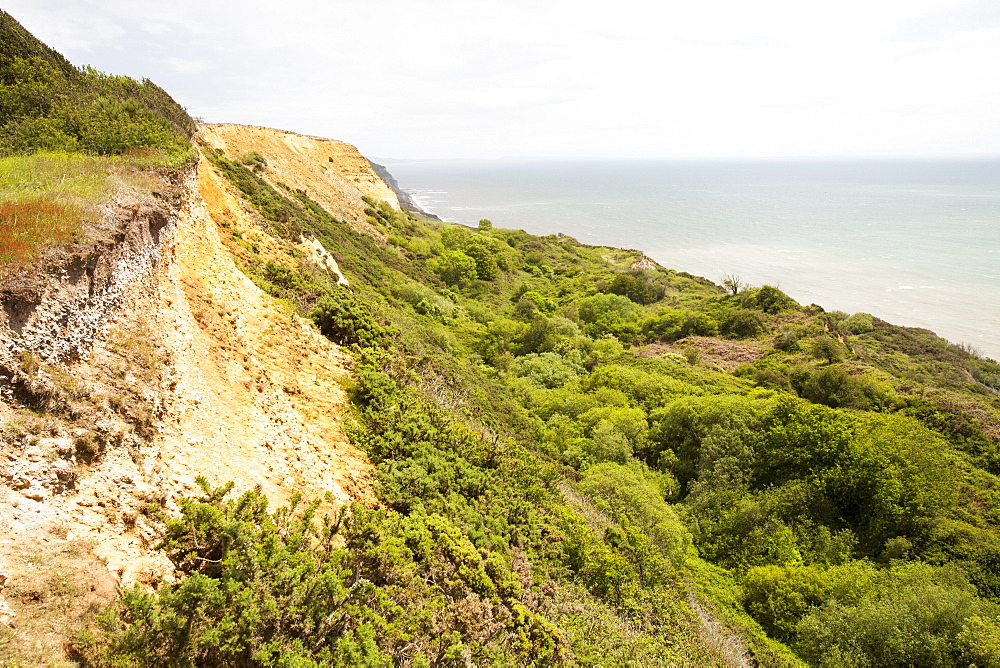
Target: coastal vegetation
[[580, 457], [583, 457], [47, 104], [70, 139]]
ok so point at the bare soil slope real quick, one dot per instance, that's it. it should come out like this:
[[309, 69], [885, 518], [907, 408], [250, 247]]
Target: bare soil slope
[[195, 371]]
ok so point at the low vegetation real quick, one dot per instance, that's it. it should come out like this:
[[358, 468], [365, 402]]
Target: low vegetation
[[47, 104], [581, 461], [55, 122]]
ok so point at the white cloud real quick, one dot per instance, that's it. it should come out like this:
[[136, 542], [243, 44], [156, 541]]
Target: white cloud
[[470, 78]]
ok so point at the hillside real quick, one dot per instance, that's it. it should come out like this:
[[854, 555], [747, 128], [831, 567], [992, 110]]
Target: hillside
[[255, 413], [152, 361]]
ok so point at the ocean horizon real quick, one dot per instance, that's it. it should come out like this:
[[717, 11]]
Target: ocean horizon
[[914, 242]]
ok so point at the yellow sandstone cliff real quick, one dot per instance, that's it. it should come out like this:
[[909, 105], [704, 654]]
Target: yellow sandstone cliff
[[226, 381]]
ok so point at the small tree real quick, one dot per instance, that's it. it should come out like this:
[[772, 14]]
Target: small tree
[[825, 348], [485, 224], [733, 283], [455, 266]]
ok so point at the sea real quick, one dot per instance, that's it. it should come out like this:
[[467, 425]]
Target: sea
[[916, 243]]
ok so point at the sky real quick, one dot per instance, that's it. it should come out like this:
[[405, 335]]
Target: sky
[[552, 79]]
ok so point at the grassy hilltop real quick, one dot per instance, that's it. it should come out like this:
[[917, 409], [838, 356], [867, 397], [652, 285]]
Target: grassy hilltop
[[581, 457]]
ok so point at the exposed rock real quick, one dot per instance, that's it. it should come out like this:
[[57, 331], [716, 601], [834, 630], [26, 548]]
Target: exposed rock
[[331, 172], [149, 358], [56, 309]]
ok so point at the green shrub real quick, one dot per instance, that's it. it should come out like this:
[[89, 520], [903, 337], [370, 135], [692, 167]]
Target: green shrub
[[257, 589], [915, 615], [825, 348], [547, 369], [674, 324], [604, 314], [454, 267], [859, 323], [635, 288], [625, 493], [742, 323], [486, 264], [780, 596], [341, 317], [768, 299], [542, 304]]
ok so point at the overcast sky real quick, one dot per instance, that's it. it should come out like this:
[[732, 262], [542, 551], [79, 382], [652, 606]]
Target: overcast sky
[[554, 79]]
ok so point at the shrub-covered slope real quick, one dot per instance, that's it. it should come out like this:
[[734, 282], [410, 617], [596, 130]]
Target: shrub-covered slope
[[583, 457], [48, 104], [580, 457]]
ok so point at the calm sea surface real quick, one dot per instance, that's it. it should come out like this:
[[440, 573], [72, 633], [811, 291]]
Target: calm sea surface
[[914, 243]]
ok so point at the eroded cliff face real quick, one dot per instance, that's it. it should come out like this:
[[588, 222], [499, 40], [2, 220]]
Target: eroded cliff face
[[332, 173], [147, 358]]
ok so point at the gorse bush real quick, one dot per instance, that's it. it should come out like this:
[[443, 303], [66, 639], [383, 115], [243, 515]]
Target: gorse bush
[[46, 104], [260, 588], [343, 318]]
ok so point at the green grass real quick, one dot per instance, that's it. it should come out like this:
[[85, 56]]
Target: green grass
[[45, 198]]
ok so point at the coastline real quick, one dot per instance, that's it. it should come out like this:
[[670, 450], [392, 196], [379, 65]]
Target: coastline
[[884, 272]]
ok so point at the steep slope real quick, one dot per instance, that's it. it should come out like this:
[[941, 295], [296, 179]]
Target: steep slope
[[331, 172], [144, 360]]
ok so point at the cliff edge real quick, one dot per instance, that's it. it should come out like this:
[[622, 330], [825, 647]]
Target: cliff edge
[[143, 357]]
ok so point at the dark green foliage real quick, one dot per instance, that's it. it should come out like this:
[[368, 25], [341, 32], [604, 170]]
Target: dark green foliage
[[635, 288], [780, 482], [741, 323], [259, 589], [780, 596], [486, 265], [825, 348], [911, 615], [47, 104], [254, 161], [768, 299], [344, 319], [673, 324], [834, 387], [290, 219], [18, 43]]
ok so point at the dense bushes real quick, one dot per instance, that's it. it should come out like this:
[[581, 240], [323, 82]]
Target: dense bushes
[[343, 318], [858, 615], [549, 486], [603, 314], [626, 467], [777, 481], [673, 324], [636, 288], [260, 588], [46, 104]]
